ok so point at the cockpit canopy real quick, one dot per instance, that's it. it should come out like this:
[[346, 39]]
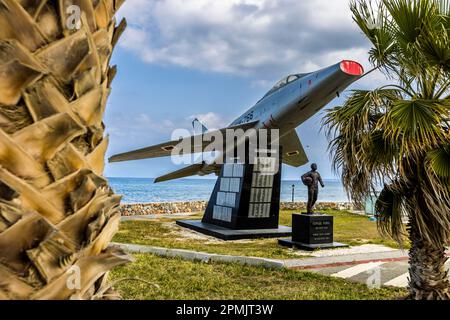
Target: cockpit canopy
[[285, 81]]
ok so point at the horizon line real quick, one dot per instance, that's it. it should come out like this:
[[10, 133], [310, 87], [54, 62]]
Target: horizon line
[[336, 179]]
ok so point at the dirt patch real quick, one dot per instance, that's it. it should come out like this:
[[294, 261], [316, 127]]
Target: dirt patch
[[182, 234]]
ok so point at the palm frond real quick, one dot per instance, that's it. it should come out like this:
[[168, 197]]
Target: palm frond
[[363, 153], [409, 17], [390, 211], [374, 23], [434, 44], [444, 12], [415, 124], [439, 161]]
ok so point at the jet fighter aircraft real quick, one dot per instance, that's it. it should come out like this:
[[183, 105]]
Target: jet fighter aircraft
[[291, 102]]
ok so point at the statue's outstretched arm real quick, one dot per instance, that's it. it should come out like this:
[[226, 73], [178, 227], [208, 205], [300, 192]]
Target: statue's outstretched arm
[[321, 182]]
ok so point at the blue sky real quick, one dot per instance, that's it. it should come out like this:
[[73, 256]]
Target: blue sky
[[214, 59]]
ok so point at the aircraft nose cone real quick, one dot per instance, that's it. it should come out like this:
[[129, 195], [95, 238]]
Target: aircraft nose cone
[[352, 68]]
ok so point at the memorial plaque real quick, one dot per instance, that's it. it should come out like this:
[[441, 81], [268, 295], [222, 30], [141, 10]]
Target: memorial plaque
[[224, 184], [222, 213], [267, 180], [221, 198], [230, 199], [228, 170], [256, 195], [252, 211], [259, 210], [265, 165], [262, 180], [268, 195], [227, 214], [312, 229], [217, 212], [321, 231], [235, 185], [238, 170], [261, 195]]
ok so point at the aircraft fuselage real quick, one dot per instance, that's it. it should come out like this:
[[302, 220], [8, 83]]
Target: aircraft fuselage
[[301, 97]]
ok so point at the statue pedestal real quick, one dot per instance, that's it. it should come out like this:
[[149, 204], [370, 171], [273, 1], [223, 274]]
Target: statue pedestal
[[311, 231]]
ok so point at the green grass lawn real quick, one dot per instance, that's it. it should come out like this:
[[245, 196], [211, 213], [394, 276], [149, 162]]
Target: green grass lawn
[[348, 228], [180, 279]]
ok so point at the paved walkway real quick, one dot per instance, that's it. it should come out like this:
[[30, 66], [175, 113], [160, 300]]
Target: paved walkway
[[375, 269], [373, 273]]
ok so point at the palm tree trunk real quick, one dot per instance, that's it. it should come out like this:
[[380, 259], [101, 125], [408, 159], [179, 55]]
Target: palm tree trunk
[[57, 212], [428, 276]]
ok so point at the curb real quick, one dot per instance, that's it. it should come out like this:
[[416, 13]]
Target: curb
[[295, 264], [201, 256]]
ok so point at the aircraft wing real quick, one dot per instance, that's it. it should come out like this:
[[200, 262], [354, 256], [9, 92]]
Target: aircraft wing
[[198, 142], [293, 155], [192, 170], [293, 152]]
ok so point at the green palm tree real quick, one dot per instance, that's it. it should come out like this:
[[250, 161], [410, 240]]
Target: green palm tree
[[398, 135]]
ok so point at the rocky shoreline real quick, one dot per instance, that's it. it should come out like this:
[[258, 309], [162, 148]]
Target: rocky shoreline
[[198, 206]]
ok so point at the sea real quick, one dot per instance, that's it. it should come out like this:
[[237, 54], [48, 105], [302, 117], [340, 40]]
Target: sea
[[141, 190]]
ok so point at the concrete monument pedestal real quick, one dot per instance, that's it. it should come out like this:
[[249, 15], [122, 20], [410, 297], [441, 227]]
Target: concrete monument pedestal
[[311, 231], [245, 202], [233, 234]]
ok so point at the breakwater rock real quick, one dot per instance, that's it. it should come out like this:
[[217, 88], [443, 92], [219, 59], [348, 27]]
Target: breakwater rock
[[199, 206]]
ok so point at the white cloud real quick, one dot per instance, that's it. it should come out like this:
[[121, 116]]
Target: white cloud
[[264, 39], [138, 126], [211, 120]]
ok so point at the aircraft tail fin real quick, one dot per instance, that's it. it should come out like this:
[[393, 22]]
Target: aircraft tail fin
[[199, 128]]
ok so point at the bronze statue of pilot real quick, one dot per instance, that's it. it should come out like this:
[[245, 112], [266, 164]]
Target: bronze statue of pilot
[[312, 179]]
